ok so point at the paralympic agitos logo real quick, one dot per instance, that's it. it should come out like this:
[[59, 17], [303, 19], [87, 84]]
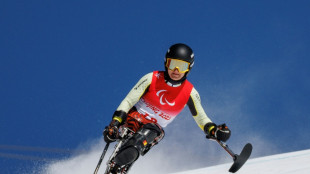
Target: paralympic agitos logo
[[163, 100]]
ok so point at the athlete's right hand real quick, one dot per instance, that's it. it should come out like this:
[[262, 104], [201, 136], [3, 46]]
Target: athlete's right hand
[[111, 133]]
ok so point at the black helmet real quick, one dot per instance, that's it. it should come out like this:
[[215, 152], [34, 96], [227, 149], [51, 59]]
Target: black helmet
[[182, 52]]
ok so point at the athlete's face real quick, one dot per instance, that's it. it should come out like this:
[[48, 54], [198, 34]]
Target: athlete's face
[[175, 74]]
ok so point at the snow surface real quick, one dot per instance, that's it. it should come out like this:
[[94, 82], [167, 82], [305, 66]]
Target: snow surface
[[287, 163]]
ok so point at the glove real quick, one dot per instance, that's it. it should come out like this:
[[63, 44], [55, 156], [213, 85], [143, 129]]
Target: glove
[[219, 132], [111, 132]]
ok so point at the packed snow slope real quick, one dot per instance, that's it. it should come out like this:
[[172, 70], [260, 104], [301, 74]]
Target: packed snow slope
[[287, 163]]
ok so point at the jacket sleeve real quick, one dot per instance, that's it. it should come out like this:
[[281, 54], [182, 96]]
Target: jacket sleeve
[[135, 93], [196, 109]]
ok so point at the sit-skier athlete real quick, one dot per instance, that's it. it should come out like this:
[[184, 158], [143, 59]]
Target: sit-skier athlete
[[154, 102]]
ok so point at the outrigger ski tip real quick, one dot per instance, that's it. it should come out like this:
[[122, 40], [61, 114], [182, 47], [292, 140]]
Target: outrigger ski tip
[[239, 160]]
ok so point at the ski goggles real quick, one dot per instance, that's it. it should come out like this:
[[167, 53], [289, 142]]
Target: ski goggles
[[181, 65]]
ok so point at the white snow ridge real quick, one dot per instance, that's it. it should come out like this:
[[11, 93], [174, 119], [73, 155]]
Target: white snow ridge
[[287, 163]]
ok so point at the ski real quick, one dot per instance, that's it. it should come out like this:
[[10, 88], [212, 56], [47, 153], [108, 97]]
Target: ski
[[239, 160]]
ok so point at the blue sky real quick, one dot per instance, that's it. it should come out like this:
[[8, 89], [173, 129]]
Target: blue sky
[[66, 65]]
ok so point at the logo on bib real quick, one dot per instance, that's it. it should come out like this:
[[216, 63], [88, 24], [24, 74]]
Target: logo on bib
[[162, 99]]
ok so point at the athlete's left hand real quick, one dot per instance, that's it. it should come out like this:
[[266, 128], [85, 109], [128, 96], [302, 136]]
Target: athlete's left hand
[[219, 132]]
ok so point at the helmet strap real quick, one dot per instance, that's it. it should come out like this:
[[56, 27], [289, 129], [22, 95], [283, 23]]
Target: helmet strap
[[174, 82]]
